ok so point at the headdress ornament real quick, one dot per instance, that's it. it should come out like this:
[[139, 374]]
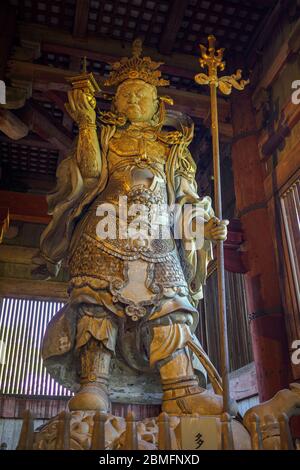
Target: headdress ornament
[[138, 67]]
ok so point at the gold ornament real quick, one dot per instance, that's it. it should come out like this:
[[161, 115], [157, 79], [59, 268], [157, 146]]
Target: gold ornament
[[87, 83]]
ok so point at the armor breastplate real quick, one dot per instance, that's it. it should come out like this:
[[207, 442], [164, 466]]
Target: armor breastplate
[[121, 268], [124, 159], [128, 153], [148, 241]]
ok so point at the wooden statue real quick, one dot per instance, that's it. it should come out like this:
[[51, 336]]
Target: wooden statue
[[131, 295]]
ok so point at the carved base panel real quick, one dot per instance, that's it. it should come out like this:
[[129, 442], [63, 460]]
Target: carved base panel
[[124, 434]]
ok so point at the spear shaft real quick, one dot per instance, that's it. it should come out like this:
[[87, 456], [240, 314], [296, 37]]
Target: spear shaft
[[220, 251], [212, 59]]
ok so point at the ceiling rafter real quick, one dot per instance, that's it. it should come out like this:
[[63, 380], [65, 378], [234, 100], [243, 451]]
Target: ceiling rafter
[[75, 52], [7, 30], [172, 26], [40, 122], [81, 18], [30, 141]]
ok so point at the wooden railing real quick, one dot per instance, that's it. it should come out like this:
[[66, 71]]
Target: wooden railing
[[258, 432]]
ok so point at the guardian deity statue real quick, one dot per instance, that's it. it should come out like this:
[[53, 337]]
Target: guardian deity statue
[[130, 298]]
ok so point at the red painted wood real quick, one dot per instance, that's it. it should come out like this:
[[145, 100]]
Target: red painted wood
[[25, 207], [268, 331], [45, 408]]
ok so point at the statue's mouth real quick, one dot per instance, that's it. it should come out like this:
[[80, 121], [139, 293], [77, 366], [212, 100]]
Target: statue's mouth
[[134, 107]]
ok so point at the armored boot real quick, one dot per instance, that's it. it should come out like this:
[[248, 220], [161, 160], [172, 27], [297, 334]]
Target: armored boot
[[182, 393], [94, 372]]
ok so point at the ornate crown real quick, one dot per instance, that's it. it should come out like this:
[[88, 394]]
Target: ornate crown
[[136, 67]]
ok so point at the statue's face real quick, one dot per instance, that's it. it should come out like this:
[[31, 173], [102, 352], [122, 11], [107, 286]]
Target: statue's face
[[137, 100]]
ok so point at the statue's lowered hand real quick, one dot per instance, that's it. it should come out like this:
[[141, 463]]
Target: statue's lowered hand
[[216, 229]]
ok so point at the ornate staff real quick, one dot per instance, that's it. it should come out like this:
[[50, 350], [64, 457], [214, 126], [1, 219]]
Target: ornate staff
[[212, 59]]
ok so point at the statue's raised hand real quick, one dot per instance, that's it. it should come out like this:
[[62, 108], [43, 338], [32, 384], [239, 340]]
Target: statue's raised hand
[[80, 109]]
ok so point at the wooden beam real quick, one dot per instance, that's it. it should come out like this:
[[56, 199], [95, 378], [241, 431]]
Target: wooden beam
[[4, 222], [172, 26], [12, 126], [287, 167], [26, 207], [277, 62], [263, 3], [26, 288], [51, 78], [79, 52], [198, 106], [60, 99], [57, 99], [262, 34], [30, 142], [270, 144], [272, 72], [46, 127], [36, 182], [255, 4], [17, 254], [81, 18], [7, 31], [113, 48]]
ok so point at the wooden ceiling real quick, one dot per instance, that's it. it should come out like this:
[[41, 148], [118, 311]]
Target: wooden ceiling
[[59, 33], [168, 25]]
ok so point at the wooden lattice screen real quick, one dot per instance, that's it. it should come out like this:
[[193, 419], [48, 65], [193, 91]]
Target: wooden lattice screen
[[290, 214], [240, 350], [22, 327]]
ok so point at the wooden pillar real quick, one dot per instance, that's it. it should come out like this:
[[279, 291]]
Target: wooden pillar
[[267, 325]]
